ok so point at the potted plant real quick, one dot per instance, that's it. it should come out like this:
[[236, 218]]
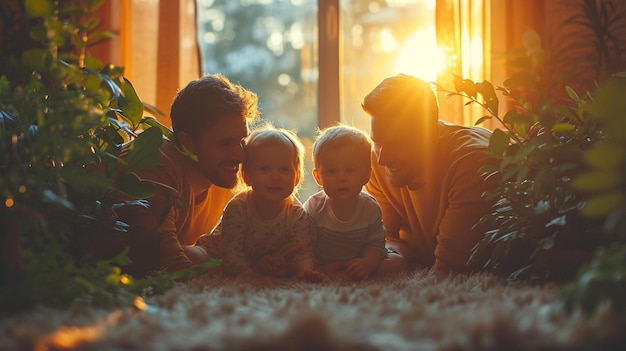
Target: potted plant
[[72, 132]]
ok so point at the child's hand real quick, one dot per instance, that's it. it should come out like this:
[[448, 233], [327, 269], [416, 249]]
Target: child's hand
[[360, 268], [311, 276], [334, 266], [273, 265], [290, 249]]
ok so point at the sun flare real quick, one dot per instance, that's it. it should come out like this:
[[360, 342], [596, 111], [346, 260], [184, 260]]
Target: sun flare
[[420, 56]]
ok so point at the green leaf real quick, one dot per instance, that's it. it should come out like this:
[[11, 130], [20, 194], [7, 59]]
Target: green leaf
[[572, 94], [602, 204], [522, 174], [482, 119], [469, 87], [130, 104], [143, 151], [39, 8], [153, 109], [48, 196], [96, 37], [34, 59], [515, 116], [86, 181], [152, 122], [488, 169], [596, 181], [95, 4], [498, 142], [131, 185], [489, 94], [563, 128], [605, 156], [520, 79], [466, 86], [93, 63], [93, 82]]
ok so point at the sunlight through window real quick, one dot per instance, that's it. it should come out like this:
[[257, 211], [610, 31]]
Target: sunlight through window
[[420, 56]]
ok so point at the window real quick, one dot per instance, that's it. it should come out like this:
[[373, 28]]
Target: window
[[312, 62]]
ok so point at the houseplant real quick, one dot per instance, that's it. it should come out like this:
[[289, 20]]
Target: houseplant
[[536, 216], [603, 280], [560, 214], [548, 125], [72, 132]]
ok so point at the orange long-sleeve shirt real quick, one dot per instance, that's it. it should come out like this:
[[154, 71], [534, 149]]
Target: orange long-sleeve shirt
[[186, 201], [436, 222]]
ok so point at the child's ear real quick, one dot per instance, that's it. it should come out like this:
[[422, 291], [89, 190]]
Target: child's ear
[[316, 175]]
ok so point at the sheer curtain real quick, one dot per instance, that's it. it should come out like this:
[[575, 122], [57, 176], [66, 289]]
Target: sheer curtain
[[476, 35], [464, 34], [156, 44]]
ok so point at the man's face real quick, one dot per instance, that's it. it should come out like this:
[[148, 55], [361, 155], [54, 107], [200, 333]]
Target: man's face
[[400, 148], [220, 151]]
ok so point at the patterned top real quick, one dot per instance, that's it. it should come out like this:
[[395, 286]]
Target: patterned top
[[246, 236], [337, 240]]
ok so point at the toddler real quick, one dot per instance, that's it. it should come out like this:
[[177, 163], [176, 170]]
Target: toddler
[[349, 233], [264, 230]]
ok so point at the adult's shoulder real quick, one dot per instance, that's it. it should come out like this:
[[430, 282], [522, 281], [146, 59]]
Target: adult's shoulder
[[465, 151], [466, 137]]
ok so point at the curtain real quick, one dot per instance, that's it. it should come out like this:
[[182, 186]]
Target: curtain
[[464, 34], [155, 43], [476, 35]]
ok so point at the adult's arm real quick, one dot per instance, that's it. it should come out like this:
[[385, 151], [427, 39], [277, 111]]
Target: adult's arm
[[458, 231], [156, 222]]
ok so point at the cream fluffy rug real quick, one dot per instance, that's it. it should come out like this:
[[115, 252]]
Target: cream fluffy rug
[[419, 311]]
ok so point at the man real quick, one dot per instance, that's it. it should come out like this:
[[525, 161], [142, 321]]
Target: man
[[426, 178], [197, 170]]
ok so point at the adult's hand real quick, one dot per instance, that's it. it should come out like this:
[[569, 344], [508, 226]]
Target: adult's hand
[[391, 264], [196, 254], [395, 261]]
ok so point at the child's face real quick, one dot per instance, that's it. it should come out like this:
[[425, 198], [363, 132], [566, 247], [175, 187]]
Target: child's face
[[271, 171], [341, 174]]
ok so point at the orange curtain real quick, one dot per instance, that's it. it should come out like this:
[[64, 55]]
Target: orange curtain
[[476, 35], [155, 43], [464, 33]]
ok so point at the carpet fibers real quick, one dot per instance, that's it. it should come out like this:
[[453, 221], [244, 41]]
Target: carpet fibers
[[418, 311]]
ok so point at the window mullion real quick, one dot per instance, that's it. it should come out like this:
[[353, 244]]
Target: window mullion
[[328, 88]]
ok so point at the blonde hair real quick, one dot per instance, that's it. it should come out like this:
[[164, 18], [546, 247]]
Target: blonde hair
[[268, 133], [342, 135]]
